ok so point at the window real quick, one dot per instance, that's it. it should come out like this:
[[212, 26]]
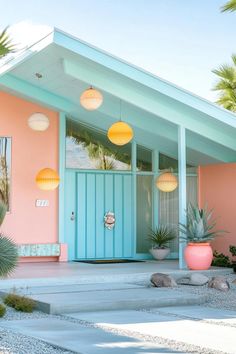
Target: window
[[88, 148], [144, 159]]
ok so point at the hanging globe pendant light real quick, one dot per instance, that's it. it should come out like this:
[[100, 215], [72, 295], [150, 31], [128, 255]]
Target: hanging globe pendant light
[[167, 182], [47, 179], [91, 99], [120, 133]]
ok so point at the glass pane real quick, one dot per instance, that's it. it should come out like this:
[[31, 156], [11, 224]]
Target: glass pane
[[166, 163], [88, 148], [144, 159], [169, 207], [144, 212]]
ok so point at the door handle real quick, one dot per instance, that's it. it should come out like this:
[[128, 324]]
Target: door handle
[[72, 216]]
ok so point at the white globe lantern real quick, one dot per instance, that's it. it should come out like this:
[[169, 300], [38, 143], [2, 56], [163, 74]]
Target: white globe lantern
[[38, 121], [91, 99]]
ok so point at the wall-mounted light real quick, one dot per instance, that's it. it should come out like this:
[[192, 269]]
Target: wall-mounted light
[[38, 121], [47, 179]]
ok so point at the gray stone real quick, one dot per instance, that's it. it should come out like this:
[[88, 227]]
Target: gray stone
[[219, 283], [193, 279], [161, 280]]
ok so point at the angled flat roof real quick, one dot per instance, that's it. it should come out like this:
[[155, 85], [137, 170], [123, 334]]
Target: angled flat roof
[[152, 105]]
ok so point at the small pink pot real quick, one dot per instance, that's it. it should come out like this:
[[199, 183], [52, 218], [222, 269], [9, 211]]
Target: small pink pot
[[198, 256]]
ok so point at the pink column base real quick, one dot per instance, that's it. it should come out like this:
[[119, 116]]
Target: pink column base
[[64, 253]]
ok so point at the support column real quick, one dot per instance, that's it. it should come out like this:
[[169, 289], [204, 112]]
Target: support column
[[182, 187], [134, 182], [62, 148], [155, 163]]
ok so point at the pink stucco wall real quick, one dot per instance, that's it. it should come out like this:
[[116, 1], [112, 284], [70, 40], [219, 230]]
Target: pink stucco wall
[[217, 189], [31, 151]]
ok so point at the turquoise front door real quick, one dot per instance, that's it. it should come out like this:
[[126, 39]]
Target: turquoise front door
[[98, 193]]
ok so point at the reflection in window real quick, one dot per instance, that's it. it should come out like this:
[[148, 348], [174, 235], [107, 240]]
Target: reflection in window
[[144, 212], [88, 148], [144, 159]]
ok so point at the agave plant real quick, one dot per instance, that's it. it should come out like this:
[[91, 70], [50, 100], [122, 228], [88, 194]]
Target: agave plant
[[199, 227], [8, 249], [6, 45], [161, 236]]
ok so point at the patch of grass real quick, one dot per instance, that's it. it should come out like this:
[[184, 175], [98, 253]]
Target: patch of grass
[[20, 303], [2, 310]]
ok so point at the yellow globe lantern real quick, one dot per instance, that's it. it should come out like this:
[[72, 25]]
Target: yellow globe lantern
[[120, 133], [47, 179], [167, 182], [91, 99]]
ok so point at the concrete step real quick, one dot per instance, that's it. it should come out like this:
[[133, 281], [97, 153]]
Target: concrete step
[[206, 337], [84, 340], [101, 298]]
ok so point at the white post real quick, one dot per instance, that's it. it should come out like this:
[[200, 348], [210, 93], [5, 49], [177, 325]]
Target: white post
[[182, 187]]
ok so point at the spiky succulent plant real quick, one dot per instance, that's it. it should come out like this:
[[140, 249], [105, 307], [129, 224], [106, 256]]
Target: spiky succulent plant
[[161, 236], [199, 227]]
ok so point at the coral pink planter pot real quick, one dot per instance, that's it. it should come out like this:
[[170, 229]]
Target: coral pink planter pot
[[198, 256]]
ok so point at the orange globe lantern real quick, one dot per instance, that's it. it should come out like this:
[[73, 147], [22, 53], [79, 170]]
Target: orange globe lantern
[[47, 179], [120, 133], [167, 182], [91, 99]]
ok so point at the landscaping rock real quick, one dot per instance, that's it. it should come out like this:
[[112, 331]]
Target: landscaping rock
[[193, 279], [161, 280], [219, 283]]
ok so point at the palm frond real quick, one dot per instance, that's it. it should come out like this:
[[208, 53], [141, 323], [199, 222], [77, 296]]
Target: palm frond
[[226, 85], [8, 255], [6, 45], [229, 6]]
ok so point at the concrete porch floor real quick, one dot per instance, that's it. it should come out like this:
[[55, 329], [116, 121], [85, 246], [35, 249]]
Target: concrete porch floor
[[54, 273]]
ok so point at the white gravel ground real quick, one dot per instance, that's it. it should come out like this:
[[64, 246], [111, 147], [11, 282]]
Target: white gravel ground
[[217, 299], [14, 343]]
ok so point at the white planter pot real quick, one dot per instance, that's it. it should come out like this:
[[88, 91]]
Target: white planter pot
[[159, 253]]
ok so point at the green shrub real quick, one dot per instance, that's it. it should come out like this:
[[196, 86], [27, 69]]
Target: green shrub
[[20, 303], [2, 310], [221, 260], [232, 250]]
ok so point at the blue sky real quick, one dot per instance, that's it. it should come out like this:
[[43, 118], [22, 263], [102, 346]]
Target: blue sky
[[178, 40]]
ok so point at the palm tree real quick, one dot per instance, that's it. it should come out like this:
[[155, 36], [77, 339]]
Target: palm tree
[[226, 85], [6, 45], [229, 6]]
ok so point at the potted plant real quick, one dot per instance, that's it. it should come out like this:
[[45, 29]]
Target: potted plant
[[160, 238], [197, 232]]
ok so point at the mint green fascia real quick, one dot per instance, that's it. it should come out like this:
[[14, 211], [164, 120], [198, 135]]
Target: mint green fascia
[[36, 94]]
